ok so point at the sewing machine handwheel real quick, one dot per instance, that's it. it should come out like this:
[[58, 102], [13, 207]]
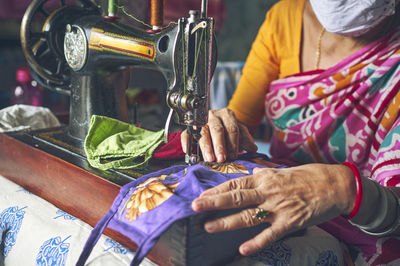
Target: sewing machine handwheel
[[42, 38]]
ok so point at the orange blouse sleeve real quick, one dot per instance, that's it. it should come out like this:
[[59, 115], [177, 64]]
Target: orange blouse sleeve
[[274, 53]]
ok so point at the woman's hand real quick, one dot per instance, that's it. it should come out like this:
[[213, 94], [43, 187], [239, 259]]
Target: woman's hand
[[294, 197], [223, 137]]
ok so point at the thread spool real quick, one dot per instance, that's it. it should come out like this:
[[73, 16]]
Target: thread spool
[[157, 13]]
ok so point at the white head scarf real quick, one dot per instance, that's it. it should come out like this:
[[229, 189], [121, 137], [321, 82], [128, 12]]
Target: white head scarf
[[351, 17]]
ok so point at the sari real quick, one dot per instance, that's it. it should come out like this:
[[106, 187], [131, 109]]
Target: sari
[[349, 112]]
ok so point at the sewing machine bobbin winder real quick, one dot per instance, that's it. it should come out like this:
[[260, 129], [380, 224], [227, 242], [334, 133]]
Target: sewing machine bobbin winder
[[83, 54]]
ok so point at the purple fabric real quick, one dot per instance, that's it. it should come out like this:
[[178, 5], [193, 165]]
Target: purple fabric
[[179, 184]]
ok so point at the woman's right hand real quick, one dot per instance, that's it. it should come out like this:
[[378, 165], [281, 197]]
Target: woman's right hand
[[291, 198], [223, 137]]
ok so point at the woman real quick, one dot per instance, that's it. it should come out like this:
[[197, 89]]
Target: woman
[[326, 73]]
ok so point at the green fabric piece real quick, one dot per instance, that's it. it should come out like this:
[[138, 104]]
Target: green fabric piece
[[111, 143]]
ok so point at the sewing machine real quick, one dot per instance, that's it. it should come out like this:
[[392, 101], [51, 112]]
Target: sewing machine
[[82, 53]]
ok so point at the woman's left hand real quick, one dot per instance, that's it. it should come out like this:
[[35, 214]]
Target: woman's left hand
[[294, 197]]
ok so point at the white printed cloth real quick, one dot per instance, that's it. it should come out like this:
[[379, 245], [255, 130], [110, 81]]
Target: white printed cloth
[[35, 232]]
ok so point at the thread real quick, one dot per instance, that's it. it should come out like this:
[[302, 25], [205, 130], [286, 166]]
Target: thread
[[157, 13], [122, 8], [111, 7]]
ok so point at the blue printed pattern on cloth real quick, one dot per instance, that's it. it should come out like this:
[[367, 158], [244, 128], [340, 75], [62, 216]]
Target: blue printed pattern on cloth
[[27, 222], [63, 214], [10, 224], [21, 189], [327, 258], [112, 245], [278, 254], [53, 252]]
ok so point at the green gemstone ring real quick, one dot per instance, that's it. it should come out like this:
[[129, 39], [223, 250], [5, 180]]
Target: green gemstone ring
[[261, 214]]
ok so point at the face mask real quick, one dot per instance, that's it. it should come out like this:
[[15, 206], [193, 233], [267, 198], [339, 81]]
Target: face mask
[[350, 17], [149, 205]]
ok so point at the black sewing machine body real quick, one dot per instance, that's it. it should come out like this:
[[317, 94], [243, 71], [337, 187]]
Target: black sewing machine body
[[80, 52]]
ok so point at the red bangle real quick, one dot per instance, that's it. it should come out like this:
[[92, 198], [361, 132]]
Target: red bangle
[[359, 189]]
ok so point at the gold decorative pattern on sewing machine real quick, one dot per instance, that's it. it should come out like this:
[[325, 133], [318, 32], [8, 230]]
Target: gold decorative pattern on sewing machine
[[106, 41], [52, 137]]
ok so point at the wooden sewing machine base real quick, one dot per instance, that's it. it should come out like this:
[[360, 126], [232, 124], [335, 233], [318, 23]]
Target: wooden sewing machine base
[[44, 164]]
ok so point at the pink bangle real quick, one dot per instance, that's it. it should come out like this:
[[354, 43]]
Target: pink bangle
[[359, 189]]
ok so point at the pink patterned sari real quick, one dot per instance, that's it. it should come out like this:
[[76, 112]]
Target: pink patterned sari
[[349, 112]]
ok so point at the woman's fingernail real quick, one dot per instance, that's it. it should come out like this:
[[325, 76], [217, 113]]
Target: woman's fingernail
[[210, 226], [198, 204], [244, 250], [221, 158], [206, 193]]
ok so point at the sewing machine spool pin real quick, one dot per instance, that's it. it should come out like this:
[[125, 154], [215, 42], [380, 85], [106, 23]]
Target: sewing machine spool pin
[[204, 8]]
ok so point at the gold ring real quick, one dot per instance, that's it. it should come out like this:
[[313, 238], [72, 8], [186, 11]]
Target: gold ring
[[260, 214]]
